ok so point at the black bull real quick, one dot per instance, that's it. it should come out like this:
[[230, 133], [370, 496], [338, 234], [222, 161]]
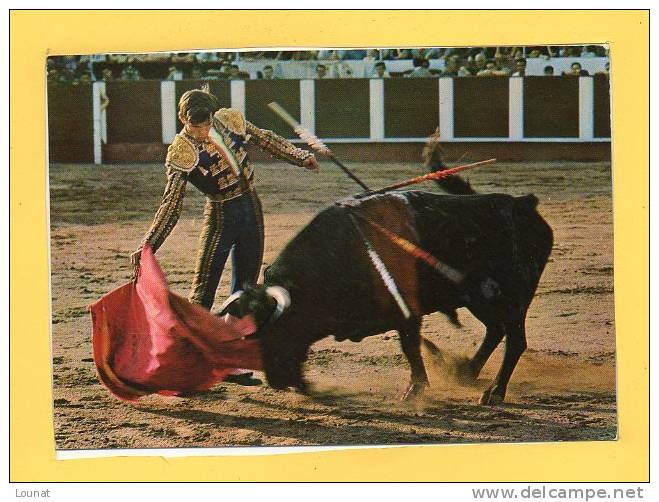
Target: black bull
[[497, 244]]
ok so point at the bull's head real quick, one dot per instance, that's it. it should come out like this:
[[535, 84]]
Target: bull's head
[[283, 352], [265, 304]]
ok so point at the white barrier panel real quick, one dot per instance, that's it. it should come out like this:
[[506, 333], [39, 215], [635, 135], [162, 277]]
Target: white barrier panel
[[446, 109], [238, 95], [308, 105], [516, 108], [586, 108], [376, 87], [168, 111]]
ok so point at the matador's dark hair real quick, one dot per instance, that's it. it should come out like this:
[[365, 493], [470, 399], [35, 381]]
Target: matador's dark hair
[[197, 105]]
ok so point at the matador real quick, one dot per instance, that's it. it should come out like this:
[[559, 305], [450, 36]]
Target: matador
[[210, 153]]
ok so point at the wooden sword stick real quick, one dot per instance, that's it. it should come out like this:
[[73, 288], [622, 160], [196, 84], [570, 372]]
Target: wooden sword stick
[[313, 141]]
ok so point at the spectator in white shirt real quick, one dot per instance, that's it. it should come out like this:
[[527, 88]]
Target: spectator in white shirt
[[380, 70]]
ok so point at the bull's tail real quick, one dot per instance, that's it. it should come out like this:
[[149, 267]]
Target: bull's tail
[[432, 158]]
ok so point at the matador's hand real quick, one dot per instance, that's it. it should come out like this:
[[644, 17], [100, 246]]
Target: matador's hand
[[135, 262], [312, 164]]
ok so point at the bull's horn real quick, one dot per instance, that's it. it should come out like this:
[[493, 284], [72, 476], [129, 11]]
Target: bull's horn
[[229, 301], [281, 296]]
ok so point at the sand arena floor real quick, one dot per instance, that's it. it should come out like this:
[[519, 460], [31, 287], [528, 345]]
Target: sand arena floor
[[563, 388]]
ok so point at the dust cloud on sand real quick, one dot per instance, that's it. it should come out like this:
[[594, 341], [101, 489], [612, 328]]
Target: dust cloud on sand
[[562, 389]]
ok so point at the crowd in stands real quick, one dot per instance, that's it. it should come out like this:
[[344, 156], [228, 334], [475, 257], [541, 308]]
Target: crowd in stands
[[327, 63]]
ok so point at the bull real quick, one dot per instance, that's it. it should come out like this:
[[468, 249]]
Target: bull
[[492, 247]]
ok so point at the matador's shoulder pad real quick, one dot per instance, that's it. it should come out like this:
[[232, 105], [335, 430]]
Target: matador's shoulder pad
[[182, 155], [232, 119]]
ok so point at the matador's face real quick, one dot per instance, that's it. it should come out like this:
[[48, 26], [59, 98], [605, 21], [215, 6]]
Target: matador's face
[[197, 131]]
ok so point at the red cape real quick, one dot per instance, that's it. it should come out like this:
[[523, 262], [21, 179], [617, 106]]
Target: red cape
[[147, 339]]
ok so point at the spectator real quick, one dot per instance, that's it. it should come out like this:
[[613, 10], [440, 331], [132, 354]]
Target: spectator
[[505, 58], [380, 70], [402, 54], [372, 55], [548, 71], [345, 71], [130, 72], [593, 51], [268, 72], [433, 53], [605, 71], [576, 70], [327, 54], [466, 70], [321, 71], [303, 55], [351, 55], [452, 66], [208, 57], [480, 62], [422, 69], [107, 75], [572, 51], [234, 72], [183, 57], [539, 51], [520, 67], [492, 70], [84, 79], [174, 73], [70, 63], [425, 53], [157, 57], [284, 56], [226, 69], [56, 77], [117, 58], [196, 73], [387, 54]]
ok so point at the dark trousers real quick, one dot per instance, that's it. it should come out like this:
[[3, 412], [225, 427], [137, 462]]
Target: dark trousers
[[231, 227]]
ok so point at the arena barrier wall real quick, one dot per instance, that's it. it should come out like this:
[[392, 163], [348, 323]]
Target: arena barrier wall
[[70, 124], [569, 116]]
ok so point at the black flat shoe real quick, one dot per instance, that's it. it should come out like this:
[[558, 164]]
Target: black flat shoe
[[245, 379]]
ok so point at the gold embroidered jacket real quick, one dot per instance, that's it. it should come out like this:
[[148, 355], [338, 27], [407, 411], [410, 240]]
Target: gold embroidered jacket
[[221, 175]]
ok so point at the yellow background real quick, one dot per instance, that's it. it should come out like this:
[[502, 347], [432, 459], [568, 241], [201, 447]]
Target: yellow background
[[35, 34]]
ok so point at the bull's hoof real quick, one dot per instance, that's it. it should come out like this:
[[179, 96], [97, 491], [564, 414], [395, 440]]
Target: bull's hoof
[[302, 387], [414, 391], [491, 398]]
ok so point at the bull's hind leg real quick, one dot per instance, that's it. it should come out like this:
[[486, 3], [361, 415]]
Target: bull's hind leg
[[515, 346], [410, 341]]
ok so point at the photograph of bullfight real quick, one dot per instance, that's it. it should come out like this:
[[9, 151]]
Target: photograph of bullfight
[[469, 300]]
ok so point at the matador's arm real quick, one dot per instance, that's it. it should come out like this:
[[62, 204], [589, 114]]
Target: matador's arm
[[182, 157], [269, 141], [280, 148], [169, 211]]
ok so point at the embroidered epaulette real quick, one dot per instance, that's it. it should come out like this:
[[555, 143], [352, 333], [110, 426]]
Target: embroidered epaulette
[[182, 155], [232, 119]]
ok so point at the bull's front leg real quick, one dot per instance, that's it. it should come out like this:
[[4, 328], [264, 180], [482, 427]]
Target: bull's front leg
[[515, 346], [410, 341], [467, 370]]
